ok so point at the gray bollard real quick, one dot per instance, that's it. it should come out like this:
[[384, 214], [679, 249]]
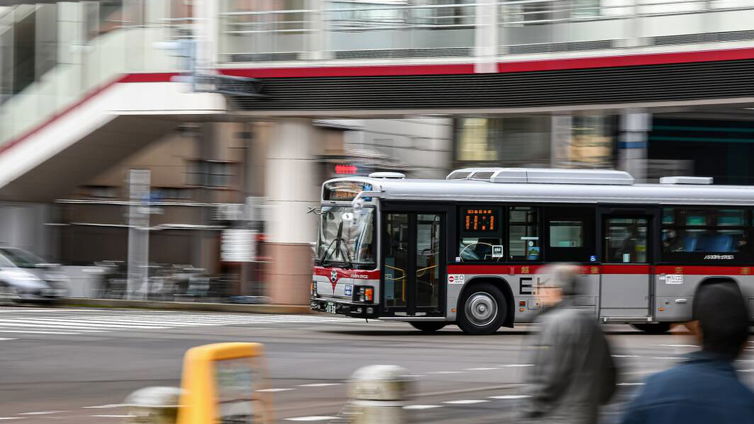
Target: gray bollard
[[153, 405], [378, 394]]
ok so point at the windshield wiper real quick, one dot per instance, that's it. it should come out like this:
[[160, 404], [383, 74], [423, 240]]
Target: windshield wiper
[[339, 247]]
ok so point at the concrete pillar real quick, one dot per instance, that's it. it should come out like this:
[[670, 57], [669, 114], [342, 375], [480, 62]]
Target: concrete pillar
[[485, 37], [292, 186], [632, 143], [560, 140]]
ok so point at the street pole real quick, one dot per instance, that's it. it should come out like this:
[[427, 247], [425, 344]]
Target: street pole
[[138, 232]]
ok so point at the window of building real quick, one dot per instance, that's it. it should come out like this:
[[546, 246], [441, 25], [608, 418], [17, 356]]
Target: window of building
[[173, 193], [523, 234], [481, 234], [99, 191], [203, 173], [704, 233]]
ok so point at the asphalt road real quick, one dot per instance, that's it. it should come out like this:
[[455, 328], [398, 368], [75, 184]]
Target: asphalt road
[[78, 365]]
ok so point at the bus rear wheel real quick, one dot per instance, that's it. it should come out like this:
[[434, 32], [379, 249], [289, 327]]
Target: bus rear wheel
[[659, 328], [482, 309], [428, 326]]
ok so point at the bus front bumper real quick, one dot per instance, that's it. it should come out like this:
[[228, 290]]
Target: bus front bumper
[[356, 310]]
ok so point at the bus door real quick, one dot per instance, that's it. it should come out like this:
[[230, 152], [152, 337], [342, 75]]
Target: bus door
[[414, 262], [626, 256]]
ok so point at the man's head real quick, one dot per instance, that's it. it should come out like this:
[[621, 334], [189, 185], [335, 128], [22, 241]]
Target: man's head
[[554, 282], [721, 317]]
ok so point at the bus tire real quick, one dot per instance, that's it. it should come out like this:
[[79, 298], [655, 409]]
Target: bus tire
[[482, 309], [428, 326], [658, 328]]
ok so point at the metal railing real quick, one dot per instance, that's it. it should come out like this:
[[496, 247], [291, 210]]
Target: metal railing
[[380, 29]]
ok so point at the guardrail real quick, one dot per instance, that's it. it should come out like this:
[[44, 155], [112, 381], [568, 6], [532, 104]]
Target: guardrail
[[385, 29]]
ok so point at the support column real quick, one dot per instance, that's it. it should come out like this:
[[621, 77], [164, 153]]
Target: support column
[[560, 140], [632, 143], [292, 186], [485, 37]]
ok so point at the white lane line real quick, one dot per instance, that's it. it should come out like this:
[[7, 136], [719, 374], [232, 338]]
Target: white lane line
[[11, 418], [114, 416], [465, 401], [630, 384], [275, 390], [414, 375], [625, 356], [680, 345], [68, 324], [506, 397], [482, 369], [41, 413], [319, 384], [444, 372], [667, 357], [312, 418], [67, 333], [419, 407], [516, 365], [5, 339], [109, 405]]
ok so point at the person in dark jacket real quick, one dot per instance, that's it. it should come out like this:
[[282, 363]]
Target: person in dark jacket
[[573, 372], [703, 389]]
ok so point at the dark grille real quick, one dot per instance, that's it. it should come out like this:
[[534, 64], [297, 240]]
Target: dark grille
[[671, 82]]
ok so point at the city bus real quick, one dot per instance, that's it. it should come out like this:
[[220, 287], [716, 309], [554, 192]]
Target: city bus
[[466, 250]]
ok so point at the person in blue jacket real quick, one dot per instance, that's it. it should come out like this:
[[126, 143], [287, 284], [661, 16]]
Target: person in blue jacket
[[705, 388]]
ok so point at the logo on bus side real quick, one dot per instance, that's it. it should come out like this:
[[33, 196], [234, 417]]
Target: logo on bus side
[[333, 276]]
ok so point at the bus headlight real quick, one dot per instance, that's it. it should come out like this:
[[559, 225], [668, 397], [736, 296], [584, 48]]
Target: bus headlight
[[314, 289]]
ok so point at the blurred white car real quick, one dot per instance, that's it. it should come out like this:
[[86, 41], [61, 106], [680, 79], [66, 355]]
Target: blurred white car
[[27, 277]]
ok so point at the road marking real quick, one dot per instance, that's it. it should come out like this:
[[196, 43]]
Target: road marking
[[465, 401], [70, 324], [505, 397], [444, 372], [422, 406], [745, 370], [482, 369], [109, 405], [5, 339], [630, 384], [41, 413], [45, 332], [625, 356], [667, 357], [516, 365], [319, 384], [312, 418], [680, 345], [274, 390], [114, 416], [11, 418]]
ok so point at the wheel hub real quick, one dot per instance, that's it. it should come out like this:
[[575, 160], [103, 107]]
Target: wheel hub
[[481, 309]]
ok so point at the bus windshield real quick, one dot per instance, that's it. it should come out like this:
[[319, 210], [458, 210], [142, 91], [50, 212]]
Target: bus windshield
[[346, 237]]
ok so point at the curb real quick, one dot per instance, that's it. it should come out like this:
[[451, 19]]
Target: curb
[[187, 306]]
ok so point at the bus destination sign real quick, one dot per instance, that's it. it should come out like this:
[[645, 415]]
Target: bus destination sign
[[344, 190], [480, 220]]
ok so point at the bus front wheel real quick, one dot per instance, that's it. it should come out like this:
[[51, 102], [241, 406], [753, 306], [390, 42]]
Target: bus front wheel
[[428, 326], [659, 328], [482, 309]]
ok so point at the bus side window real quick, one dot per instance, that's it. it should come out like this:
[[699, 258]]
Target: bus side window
[[524, 243], [481, 234], [570, 234]]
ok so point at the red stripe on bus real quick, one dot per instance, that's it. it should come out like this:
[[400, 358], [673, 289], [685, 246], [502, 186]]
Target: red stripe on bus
[[602, 269], [359, 274], [703, 270]]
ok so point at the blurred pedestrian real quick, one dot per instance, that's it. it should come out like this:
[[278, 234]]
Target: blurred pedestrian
[[573, 372], [704, 388]]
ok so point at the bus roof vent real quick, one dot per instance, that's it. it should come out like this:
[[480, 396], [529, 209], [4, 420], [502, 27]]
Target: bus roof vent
[[562, 176], [686, 180], [388, 175], [472, 174]]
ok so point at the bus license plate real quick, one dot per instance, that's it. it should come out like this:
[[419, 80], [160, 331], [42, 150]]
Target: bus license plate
[[330, 308]]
